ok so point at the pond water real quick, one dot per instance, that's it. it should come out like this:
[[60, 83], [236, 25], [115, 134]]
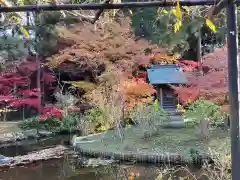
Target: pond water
[[68, 167], [24, 147], [62, 170]]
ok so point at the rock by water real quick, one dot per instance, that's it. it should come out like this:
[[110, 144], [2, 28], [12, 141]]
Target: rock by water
[[4, 159]]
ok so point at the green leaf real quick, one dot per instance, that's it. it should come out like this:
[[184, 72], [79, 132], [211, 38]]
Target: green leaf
[[20, 2]]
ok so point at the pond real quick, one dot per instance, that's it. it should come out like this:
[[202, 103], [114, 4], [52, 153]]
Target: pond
[[26, 146], [62, 170], [69, 168]]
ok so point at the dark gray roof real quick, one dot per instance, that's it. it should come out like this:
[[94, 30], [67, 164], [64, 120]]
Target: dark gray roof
[[166, 74]]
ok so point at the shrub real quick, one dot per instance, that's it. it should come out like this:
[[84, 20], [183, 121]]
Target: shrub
[[97, 119], [50, 124], [204, 109], [32, 123], [149, 118], [53, 124], [69, 122], [220, 170], [204, 113]]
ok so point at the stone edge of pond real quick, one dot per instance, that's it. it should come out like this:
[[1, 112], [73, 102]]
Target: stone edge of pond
[[13, 137], [41, 155], [140, 158]]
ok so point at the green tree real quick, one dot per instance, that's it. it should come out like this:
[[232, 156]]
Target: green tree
[[157, 25]]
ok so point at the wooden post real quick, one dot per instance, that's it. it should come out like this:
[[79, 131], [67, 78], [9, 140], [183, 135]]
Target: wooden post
[[161, 97], [233, 87], [199, 51]]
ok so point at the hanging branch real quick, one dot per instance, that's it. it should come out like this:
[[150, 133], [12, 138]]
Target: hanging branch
[[91, 19], [216, 9], [100, 11]]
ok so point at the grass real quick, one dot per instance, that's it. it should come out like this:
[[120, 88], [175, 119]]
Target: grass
[[180, 141], [8, 127]]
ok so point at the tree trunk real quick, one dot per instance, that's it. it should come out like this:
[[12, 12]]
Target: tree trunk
[[203, 129]]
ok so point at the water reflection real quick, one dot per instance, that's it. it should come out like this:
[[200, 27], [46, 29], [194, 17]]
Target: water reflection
[[63, 170], [24, 147]]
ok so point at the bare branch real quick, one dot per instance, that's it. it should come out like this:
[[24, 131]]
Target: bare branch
[[100, 11], [82, 16], [216, 9], [91, 19]]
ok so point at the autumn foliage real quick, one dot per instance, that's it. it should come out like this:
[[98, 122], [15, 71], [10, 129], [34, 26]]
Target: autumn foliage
[[136, 92], [186, 93], [19, 85], [188, 66], [93, 51], [163, 58], [98, 63], [212, 85]]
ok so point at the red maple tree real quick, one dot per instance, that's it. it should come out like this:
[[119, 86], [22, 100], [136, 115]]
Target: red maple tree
[[18, 85], [213, 84]]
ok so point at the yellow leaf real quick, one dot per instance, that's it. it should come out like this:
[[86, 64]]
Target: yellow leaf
[[15, 19], [130, 11], [24, 31], [177, 26], [102, 128], [178, 11], [130, 177], [86, 86], [228, 157], [5, 110], [174, 12], [164, 11], [210, 24], [160, 177], [180, 108]]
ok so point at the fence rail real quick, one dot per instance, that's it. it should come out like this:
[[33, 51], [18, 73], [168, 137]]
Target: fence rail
[[164, 3]]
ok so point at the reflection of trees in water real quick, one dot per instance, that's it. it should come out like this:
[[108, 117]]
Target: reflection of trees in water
[[124, 172], [111, 172], [115, 172], [68, 169]]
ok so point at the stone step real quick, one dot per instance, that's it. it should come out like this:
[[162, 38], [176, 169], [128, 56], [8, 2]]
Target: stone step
[[174, 124]]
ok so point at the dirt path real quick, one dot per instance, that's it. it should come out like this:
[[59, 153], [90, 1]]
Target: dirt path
[[7, 127]]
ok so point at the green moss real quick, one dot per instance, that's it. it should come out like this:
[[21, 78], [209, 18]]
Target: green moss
[[181, 141]]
